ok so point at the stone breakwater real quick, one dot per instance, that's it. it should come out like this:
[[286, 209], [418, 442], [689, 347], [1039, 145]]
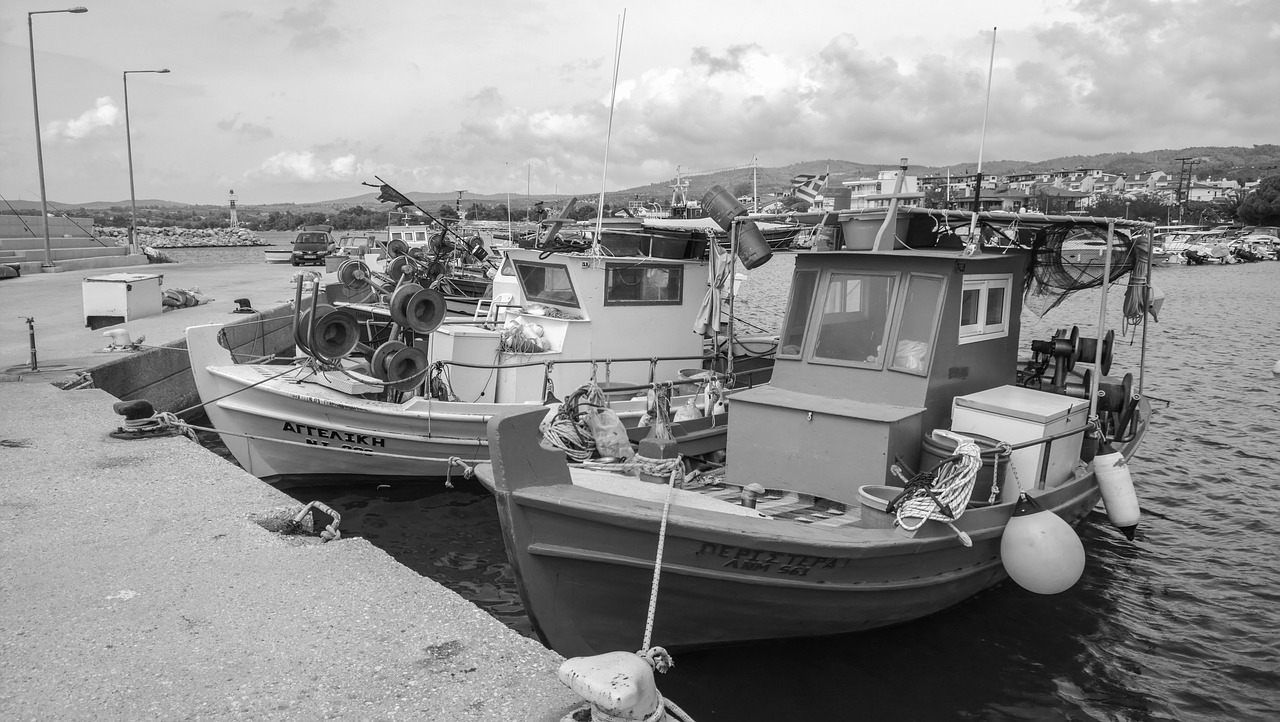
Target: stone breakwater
[[171, 237]]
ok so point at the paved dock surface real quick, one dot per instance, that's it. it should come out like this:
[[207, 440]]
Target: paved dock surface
[[133, 586], [65, 345]]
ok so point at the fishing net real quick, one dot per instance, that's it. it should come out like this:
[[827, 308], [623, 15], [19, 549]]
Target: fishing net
[[1070, 257]]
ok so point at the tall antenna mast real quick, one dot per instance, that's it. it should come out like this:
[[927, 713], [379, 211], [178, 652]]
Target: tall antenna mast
[[613, 94], [974, 244]]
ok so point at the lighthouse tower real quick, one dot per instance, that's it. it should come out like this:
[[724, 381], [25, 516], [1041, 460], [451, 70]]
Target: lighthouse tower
[[234, 223]]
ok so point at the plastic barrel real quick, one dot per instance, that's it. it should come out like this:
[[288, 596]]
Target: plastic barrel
[[722, 206], [937, 449]]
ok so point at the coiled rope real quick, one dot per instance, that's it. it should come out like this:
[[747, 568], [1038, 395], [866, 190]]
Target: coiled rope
[[942, 494]]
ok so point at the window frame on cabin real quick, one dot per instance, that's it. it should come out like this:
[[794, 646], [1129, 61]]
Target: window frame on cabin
[[829, 282], [933, 327], [982, 328], [669, 293], [524, 272]]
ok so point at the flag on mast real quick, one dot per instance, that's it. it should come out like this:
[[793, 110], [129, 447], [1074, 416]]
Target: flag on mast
[[809, 186], [388, 194]]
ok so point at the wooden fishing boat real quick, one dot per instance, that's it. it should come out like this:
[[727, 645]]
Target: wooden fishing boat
[[820, 523], [408, 396]]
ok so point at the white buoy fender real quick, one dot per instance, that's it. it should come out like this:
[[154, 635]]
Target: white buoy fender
[[1275, 370], [1040, 551], [1116, 484]]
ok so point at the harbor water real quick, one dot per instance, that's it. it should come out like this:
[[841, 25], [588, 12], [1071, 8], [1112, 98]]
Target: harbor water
[[1183, 623]]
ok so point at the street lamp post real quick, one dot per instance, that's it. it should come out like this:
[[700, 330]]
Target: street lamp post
[[128, 141], [35, 107]]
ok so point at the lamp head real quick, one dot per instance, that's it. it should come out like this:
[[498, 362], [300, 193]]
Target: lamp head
[[79, 9], [163, 70]]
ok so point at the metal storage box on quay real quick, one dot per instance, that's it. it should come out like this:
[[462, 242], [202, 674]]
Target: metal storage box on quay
[[118, 297]]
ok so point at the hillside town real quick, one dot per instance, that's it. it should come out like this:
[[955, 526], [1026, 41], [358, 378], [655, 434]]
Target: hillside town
[[1060, 191]]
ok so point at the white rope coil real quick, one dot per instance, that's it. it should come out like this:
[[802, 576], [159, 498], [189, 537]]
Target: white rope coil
[[950, 491]]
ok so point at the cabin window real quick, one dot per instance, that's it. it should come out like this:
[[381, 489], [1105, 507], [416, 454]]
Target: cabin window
[[397, 236], [984, 308], [640, 285], [918, 324], [546, 283], [855, 319], [792, 340]]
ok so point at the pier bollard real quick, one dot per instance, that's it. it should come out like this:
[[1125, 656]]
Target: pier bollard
[[616, 686]]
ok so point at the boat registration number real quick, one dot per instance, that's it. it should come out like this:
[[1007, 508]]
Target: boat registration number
[[766, 561]]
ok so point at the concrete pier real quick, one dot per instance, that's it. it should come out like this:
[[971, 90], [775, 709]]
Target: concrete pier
[[65, 346], [133, 584]]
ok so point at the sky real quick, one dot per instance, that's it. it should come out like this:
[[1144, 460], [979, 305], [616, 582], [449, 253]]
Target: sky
[[285, 101]]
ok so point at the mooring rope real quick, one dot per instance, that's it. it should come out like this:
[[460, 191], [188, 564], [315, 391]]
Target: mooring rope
[[468, 471], [942, 495]]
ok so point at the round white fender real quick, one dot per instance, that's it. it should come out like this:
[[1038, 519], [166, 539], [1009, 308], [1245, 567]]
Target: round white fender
[[1040, 551]]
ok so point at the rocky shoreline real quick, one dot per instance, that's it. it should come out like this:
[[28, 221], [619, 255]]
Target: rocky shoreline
[[171, 237]]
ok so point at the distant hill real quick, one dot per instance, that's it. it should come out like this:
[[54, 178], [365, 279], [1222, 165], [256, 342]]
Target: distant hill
[[1233, 162]]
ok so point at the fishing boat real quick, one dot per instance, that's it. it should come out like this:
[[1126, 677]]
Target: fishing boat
[[911, 450], [408, 396]]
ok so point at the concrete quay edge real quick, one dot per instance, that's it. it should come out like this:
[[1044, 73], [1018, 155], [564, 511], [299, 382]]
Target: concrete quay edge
[[133, 586]]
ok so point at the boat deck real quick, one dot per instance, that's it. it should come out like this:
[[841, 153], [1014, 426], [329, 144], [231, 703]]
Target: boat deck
[[780, 504]]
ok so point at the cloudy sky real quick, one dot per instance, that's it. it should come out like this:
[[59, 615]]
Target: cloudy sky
[[302, 100]]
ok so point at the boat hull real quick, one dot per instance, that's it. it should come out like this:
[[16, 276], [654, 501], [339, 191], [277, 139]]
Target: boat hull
[[285, 425], [584, 561]]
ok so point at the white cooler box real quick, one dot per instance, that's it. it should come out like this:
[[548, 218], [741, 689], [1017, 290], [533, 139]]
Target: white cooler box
[[1015, 414], [119, 297]]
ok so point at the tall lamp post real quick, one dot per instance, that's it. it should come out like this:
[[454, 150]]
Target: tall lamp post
[[35, 106], [128, 141]]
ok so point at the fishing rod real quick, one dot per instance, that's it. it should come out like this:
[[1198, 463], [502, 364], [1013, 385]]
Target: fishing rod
[[19, 217]]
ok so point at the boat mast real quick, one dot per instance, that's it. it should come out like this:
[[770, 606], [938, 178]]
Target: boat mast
[[755, 190], [613, 94], [974, 244]]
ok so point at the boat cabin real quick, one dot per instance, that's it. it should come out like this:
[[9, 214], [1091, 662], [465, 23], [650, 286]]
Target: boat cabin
[[635, 313], [873, 348]]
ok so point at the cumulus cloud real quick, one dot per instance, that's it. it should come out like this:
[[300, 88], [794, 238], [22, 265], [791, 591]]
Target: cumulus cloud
[[306, 166], [245, 130], [309, 27], [104, 114]]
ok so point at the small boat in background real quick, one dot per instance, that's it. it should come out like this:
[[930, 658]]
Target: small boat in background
[[278, 254]]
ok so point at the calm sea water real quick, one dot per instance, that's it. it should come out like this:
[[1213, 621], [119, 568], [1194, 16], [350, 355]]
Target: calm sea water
[[1183, 623]]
